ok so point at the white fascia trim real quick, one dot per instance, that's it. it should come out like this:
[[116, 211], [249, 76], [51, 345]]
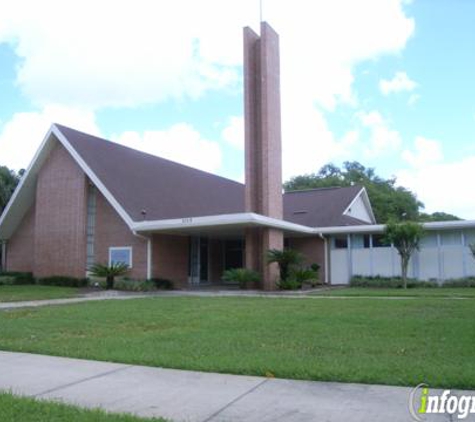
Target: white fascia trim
[[25, 176], [379, 228], [86, 169], [221, 220], [365, 200]]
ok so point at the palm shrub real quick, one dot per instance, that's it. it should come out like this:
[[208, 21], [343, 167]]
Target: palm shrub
[[286, 259], [305, 275], [242, 276], [115, 269]]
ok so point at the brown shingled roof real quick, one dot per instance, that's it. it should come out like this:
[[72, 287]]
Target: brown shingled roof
[[168, 190]]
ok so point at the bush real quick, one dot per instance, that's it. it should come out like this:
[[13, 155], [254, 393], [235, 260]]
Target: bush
[[388, 282], [135, 285], [162, 283], [7, 280], [289, 284], [242, 276], [460, 282], [305, 276], [65, 281], [18, 277]]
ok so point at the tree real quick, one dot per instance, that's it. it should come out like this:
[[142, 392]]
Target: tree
[[8, 181], [437, 216], [406, 239], [390, 202], [472, 249], [115, 269], [286, 259]]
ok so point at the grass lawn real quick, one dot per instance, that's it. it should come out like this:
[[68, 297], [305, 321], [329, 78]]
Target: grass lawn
[[35, 292], [468, 292], [22, 409], [398, 342]]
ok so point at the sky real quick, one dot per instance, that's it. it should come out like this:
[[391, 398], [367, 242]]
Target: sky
[[388, 83]]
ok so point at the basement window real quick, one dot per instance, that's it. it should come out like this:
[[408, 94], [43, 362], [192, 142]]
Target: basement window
[[120, 254]]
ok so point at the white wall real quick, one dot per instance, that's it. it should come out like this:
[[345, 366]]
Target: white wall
[[442, 256]]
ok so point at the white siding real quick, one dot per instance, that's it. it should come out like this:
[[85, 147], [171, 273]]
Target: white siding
[[339, 266], [442, 256], [358, 210]]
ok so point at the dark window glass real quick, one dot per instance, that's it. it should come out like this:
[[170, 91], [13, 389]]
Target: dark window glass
[[366, 240], [341, 242], [233, 254]]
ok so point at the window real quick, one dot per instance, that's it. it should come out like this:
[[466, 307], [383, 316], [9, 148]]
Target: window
[[121, 254], [451, 238], [429, 241], [470, 237], [340, 242], [360, 241]]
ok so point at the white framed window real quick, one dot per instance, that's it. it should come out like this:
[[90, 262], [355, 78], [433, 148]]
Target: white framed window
[[122, 254]]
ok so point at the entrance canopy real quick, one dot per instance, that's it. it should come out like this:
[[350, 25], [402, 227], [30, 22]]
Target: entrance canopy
[[225, 225]]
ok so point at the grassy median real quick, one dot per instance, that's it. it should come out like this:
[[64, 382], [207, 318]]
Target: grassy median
[[398, 342]]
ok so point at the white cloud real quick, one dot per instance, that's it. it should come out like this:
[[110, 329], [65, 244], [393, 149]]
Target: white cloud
[[181, 143], [443, 186], [426, 151], [400, 82], [233, 134], [413, 99], [22, 135], [114, 54], [130, 53], [382, 138]]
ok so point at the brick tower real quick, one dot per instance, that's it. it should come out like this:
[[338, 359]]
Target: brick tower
[[263, 157]]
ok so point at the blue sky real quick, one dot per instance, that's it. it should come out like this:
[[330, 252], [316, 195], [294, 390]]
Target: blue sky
[[385, 82]]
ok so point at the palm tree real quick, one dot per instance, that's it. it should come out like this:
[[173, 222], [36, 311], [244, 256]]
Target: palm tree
[[115, 269], [285, 259]]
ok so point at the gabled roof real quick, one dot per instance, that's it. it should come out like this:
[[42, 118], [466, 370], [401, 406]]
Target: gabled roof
[[322, 207], [146, 188], [162, 188]]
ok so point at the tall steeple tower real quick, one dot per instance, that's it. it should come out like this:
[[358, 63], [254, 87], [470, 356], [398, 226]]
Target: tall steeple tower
[[263, 159]]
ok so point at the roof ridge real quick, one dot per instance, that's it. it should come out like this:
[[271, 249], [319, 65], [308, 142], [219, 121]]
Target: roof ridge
[[323, 188], [117, 145]]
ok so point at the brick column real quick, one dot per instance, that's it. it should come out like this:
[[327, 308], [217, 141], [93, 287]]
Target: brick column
[[263, 192]]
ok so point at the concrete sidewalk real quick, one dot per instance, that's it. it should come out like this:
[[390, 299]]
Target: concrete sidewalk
[[197, 396], [118, 295]]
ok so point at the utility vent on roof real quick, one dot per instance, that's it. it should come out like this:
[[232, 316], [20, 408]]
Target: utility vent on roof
[[299, 212]]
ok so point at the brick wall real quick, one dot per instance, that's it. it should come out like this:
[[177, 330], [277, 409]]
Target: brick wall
[[313, 249], [112, 231], [170, 258], [60, 221], [21, 247]]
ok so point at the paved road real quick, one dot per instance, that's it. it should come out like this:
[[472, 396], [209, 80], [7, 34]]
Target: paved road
[[197, 396]]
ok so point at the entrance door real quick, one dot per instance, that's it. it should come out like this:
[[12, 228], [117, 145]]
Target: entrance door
[[198, 262]]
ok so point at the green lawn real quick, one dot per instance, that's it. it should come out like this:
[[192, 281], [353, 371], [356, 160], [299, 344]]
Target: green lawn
[[399, 342], [22, 409], [466, 292], [34, 292]]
